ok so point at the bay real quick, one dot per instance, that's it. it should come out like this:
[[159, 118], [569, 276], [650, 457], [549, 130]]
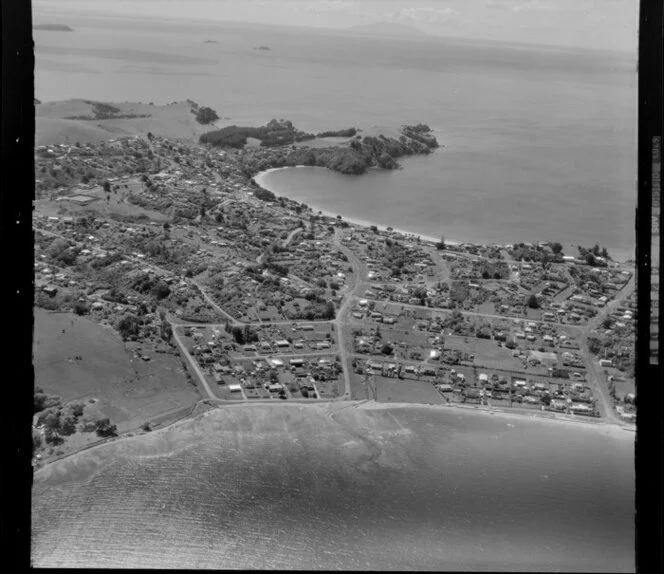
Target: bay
[[539, 144], [339, 487]]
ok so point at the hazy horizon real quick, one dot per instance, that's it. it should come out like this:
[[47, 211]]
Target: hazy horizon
[[592, 24]]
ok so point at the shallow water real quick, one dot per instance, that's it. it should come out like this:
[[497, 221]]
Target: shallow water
[[343, 488]]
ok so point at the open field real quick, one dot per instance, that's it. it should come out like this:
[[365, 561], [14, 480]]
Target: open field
[[174, 121], [128, 390], [397, 391]]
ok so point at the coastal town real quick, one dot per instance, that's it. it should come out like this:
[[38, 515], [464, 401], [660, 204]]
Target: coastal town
[[240, 296]]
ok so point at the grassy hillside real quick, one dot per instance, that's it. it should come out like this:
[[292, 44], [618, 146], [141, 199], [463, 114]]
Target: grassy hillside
[[84, 121], [75, 358]]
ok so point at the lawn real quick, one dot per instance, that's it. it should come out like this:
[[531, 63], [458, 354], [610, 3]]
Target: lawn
[[75, 358], [397, 391]]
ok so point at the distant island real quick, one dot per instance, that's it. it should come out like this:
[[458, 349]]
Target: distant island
[[388, 29], [210, 42], [53, 27], [264, 48]]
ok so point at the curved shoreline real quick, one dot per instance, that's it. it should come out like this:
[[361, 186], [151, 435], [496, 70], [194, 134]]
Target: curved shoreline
[[259, 179]]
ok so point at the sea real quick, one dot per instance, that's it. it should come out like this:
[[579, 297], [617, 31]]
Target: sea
[[341, 487], [537, 143]]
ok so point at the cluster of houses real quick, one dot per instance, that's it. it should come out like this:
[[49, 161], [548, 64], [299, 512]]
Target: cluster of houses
[[465, 385]]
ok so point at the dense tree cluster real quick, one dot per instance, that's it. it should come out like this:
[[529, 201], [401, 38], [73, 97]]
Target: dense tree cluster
[[243, 335], [129, 327], [274, 133], [349, 133], [533, 302], [152, 285], [206, 115]]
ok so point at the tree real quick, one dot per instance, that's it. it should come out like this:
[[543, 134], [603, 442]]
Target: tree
[[68, 424], [52, 437], [556, 248], [533, 303], [107, 186], [43, 401], [590, 259], [36, 441], [160, 290], [50, 418], [206, 116], [76, 408], [607, 323], [166, 331], [105, 428], [129, 327], [612, 390], [238, 335], [441, 244], [387, 349], [81, 308]]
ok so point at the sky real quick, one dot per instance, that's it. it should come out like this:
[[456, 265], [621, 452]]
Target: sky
[[597, 24]]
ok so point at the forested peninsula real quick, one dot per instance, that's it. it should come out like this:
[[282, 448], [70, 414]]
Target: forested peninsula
[[354, 156]]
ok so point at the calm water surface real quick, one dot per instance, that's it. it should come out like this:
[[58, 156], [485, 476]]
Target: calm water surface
[[344, 488], [540, 144]]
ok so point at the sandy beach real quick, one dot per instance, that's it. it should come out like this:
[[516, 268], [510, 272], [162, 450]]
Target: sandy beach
[[262, 176]]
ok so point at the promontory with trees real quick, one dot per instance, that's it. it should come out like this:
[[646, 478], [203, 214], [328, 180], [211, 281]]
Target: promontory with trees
[[352, 157]]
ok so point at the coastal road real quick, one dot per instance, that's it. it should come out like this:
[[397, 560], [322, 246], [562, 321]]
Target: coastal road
[[192, 362]]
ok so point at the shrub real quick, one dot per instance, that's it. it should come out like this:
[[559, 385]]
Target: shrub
[[81, 308], [105, 428], [43, 401], [52, 437]]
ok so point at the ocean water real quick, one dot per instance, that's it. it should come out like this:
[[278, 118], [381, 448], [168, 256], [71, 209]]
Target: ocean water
[[339, 487], [540, 144]]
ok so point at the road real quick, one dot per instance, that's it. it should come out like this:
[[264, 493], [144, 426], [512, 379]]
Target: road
[[212, 304], [594, 370], [353, 285], [193, 363]]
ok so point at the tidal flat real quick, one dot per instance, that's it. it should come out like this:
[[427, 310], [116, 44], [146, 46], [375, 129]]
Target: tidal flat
[[344, 486]]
